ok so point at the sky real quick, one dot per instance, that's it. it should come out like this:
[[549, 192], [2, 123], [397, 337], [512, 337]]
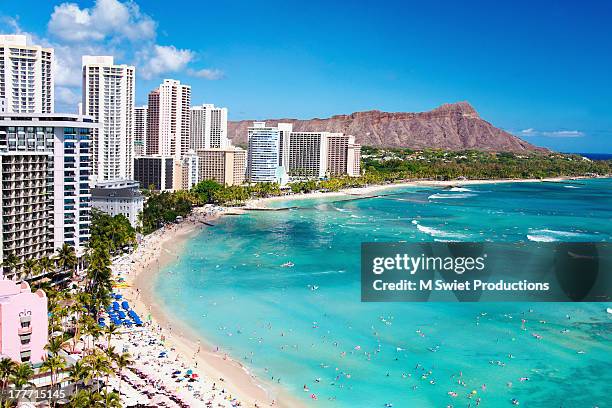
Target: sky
[[539, 69]]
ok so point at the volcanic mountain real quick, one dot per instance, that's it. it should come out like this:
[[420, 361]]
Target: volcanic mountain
[[455, 126]]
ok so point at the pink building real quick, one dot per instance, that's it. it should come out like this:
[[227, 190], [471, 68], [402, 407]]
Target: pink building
[[23, 322]]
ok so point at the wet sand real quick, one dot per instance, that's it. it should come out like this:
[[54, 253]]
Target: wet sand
[[161, 251]]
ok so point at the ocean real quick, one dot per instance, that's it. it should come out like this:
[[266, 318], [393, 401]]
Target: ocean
[[230, 286], [597, 156]]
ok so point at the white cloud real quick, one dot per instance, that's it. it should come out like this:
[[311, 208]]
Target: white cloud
[[109, 27], [555, 133], [210, 74], [162, 59], [67, 98], [105, 19]]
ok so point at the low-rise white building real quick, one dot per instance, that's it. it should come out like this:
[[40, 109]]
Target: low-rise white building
[[119, 197]]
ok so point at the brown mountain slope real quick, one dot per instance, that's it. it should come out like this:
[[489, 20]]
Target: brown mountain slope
[[454, 126]]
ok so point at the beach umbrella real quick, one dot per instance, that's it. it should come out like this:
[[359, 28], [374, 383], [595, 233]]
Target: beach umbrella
[[125, 305]]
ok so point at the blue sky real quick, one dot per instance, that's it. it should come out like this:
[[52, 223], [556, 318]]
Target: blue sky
[[542, 70]]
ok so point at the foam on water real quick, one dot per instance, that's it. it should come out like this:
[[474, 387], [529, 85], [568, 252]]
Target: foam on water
[[549, 235], [439, 196], [438, 232], [271, 320]]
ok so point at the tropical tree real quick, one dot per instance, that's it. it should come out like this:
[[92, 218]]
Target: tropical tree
[[99, 366], [110, 330], [54, 365], [7, 369], [78, 373], [30, 268], [22, 375], [122, 361], [10, 264], [54, 345], [46, 264], [111, 399], [205, 190], [66, 258]]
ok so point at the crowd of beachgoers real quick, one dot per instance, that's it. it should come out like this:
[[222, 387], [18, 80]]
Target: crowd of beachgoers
[[161, 374]]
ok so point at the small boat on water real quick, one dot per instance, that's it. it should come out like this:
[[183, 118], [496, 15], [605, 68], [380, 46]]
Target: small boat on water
[[288, 265]]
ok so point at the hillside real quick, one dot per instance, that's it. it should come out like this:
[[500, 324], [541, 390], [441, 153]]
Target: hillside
[[454, 126]]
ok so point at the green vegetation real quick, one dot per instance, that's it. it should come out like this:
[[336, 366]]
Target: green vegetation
[[73, 313], [165, 207], [381, 166], [116, 232], [401, 164]]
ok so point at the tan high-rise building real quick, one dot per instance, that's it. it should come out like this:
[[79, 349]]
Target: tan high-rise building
[[26, 76], [108, 96], [168, 120], [225, 166], [343, 155], [152, 132]]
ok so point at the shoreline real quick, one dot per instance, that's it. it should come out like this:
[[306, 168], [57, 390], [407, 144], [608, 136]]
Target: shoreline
[[161, 249], [260, 203]]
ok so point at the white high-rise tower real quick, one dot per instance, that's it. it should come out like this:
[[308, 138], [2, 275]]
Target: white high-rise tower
[[26, 76], [108, 96], [208, 127]]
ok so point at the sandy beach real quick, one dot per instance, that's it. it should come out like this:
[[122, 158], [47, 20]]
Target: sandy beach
[[157, 251], [377, 189], [164, 247]]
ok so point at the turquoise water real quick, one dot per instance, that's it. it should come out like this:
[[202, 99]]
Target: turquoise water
[[231, 287]]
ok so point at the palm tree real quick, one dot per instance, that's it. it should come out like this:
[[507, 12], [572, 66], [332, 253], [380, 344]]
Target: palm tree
[[78, 373], [10, 263], [54, 345], [22, 375], [109, 331], [99, 365], [82, 299], [30, 268], [80, 399], [66, 258], [7, 368], [122, 361], [46, 264], [111, 399], [54, 365]]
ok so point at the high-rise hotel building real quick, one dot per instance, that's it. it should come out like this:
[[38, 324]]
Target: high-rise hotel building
[[208, 127], [140, 130], [343, 155], [168, 119], [26, 76], [302, 155], [45, 191], [225, 166], [108, 96], [264, 154]]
